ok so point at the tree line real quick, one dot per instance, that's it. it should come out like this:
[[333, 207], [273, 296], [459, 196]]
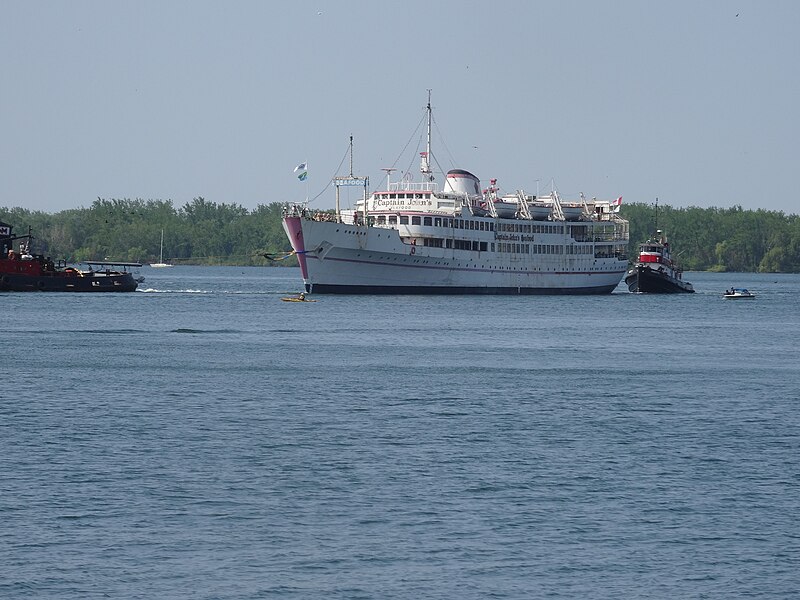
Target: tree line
[[721, 239], [200, 232], [203, 232]]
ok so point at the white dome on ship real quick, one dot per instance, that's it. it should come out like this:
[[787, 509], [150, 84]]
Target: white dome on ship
[[462, 182]]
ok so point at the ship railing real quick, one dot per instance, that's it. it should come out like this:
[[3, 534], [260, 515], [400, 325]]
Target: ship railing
[[295, 209], [413, 186]]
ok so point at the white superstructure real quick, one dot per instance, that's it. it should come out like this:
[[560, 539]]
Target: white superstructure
[[414, 237]]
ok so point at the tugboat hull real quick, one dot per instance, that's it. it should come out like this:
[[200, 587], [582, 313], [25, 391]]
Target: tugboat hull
[[120, 282], [644, 279]]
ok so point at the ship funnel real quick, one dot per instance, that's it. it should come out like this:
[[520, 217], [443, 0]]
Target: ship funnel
[[459, 181]]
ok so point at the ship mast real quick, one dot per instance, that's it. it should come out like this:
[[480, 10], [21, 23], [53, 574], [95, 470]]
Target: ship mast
[[657, 230], [425, 164], [656, 213], [350, 180]]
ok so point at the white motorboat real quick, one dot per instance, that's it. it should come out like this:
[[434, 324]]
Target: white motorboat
[[738, 293]]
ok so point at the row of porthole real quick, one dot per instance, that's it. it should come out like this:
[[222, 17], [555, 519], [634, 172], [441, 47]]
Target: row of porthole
[[486, 267]]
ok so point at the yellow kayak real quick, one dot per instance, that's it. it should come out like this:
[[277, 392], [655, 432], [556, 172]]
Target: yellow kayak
[[295, 299]]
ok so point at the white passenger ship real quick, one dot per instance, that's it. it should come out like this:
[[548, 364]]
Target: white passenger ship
[[415, 238]]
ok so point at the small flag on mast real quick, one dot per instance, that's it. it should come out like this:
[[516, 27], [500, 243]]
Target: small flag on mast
[[302, 171], [616, 204]]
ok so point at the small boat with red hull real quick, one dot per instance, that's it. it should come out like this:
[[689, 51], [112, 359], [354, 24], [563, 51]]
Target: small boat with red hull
[[655, 272], [23, 271]]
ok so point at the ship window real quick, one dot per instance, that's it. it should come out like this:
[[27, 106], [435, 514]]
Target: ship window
[[392, 219], [403, 219], [449, 243], [437, 222], [427, 221], [492, 246], [380, 220], [416, 221], [393, 196], [482, 247]]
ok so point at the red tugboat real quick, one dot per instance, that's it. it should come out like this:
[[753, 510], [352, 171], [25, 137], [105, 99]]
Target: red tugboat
[[655, 272], [22, 271]]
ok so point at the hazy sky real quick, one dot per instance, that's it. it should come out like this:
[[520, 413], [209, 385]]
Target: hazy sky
[[693, 102]]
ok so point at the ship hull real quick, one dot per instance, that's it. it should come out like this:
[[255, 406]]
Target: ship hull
[[338, 258], [643, 279], [321, 288]]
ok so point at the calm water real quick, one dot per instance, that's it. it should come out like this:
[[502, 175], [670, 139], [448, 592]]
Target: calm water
[[202, 439]]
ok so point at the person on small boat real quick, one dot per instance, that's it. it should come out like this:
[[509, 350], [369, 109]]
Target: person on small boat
[[302, 296]]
